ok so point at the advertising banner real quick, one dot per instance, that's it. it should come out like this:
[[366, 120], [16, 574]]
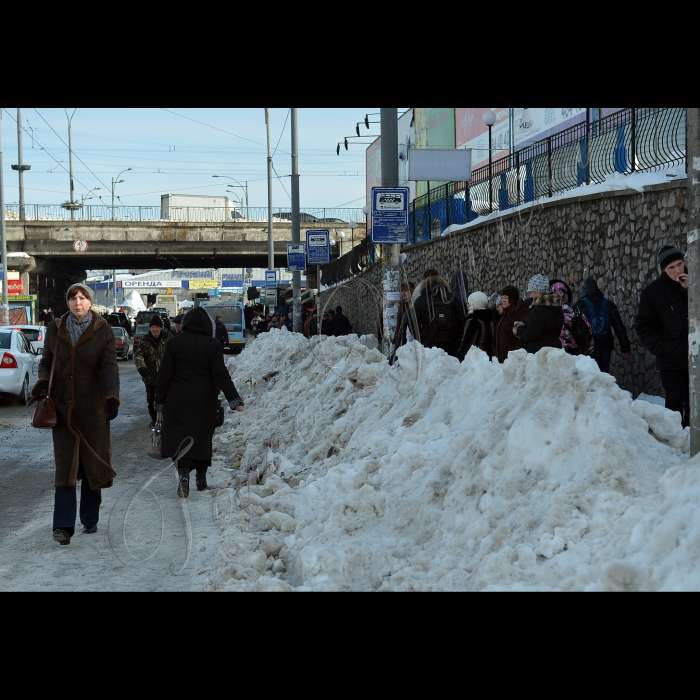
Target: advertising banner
[[471, 132], [15, 287], [164, 284], [536, 123], [406, 143], [439, 164], [202, 284], [434, 128]]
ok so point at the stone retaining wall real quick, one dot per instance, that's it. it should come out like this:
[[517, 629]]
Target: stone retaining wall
[[613, 237]]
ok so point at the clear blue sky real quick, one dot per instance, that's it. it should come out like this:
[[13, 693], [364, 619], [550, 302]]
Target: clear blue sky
[[169, 153]]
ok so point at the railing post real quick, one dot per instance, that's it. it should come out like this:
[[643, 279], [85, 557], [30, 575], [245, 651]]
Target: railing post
[[447, 204], [588, 145], [517, 175], [430, 215], [549, 163], [467, 207], [634, 139]]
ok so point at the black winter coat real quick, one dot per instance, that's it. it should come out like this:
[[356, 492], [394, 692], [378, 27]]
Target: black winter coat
[[662, 322], [423, 306], [544, 323], [191, 373], [590, 291], [505, 340], [479, 332], [221, 333], [341, 324]]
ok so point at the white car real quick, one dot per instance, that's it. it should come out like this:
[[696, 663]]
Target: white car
[[35, 334], [19, 364]]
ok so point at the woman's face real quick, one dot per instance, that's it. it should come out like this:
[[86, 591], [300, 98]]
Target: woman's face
[[79, 305], [505, 301]]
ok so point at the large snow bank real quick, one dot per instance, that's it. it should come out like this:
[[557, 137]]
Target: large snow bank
[[537, 474]]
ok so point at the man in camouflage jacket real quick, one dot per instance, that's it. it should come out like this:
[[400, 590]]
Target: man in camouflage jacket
[[147, 359]]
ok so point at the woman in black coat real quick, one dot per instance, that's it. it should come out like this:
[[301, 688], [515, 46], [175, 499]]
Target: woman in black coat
[[191, 374], [479, 327]]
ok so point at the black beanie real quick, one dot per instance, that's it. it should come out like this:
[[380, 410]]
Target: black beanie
[[156, 321], [430, 272], [668, 254]]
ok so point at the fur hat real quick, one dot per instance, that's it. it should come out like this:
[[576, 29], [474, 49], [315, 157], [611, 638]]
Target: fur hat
[[668, 254], [430, 272], [511, 292], [75, 288], [477, 300], [156, 321], [539, 283]]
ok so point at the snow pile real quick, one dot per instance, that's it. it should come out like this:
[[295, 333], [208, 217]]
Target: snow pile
[[346, 474]]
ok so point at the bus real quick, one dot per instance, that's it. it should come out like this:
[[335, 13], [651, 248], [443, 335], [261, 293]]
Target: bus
[[233, 318]]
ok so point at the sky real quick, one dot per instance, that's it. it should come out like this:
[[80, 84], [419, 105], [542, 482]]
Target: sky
[[178, 150]]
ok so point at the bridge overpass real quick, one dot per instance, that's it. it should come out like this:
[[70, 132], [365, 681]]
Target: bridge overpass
[[152, 244]]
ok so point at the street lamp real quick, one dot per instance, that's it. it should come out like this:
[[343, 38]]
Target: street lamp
[[352, 226], [71, 204], [116, 181], [341, 235], [247, 202], [490, 120], [86, 196], [367, 211]]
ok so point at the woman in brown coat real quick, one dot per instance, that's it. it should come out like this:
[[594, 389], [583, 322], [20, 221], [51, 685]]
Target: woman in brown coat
[[85, 391], [513, 310]]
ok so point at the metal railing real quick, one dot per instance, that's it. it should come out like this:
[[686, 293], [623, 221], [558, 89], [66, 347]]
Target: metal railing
[[313, 217], [634, 139]]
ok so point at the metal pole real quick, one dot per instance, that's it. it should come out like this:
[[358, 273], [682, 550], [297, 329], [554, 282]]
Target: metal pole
[[112, 199], [296, 223], [247, 202], [270, 231], [693, 161], [70, 166], [114, 289], [390, 178], [490, 172], [3, 240], [588, 146], [20, 167]]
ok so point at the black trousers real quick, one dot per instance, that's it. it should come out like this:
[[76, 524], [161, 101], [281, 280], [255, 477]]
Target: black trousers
[[151, 399], [64, 509], [676, 384], [188, 465]]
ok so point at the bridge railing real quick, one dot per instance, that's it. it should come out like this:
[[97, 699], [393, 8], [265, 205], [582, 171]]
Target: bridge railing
[[310, 217]]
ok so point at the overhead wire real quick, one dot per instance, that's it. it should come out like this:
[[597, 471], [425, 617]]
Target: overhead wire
[[282, 134]]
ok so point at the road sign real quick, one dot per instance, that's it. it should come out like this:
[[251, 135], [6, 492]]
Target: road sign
[[271, 297], [390, 215], [271, 278], [318, 246], [80, 245], [249, 270], [296, 257]]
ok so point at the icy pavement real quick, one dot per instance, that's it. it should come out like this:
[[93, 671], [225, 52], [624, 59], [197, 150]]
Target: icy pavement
[[539, 474]]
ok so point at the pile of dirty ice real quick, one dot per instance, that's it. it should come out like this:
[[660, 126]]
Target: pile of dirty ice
[[344, 473]]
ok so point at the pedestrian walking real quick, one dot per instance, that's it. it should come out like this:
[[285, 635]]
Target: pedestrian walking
[[605, 318], [514, 311], [341, 323], [147, 358], [313, 324], [403, 321], [49, 316], [479, 327], [576, 334], [85, 391], [662, 325], [191, 374], [542, 329], [221, 332]]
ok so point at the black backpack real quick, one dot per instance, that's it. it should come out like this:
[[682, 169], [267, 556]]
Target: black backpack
[[440, 329], [599, 319], [581, 332]]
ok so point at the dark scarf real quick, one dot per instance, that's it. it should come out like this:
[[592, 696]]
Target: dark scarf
[[76, 328]]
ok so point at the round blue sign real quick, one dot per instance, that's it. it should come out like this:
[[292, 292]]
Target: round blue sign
[[249, 270]]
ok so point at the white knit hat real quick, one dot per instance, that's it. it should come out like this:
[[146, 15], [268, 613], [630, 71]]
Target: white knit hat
[[539, 283], [477, 300]]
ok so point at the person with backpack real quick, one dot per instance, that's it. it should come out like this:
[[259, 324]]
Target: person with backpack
[[604, 318], [439, 314], [479, 327], [545, 319], [576, 333], [662, 325]]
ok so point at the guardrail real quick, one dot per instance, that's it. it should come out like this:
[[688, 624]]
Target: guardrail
[[634, 139], [318, 217]]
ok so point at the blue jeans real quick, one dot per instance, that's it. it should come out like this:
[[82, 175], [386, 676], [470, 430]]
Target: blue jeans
[[64, 509], [602, 356]]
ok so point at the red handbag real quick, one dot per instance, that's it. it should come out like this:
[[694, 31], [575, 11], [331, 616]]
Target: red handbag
[[44, 415]]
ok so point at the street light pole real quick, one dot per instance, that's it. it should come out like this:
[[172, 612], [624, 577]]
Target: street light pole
[[71, 201], [116, 181], [20, 167], [352, 226], [3, 241], [270, 231], [296, 223], [238, 184], [490, 120]]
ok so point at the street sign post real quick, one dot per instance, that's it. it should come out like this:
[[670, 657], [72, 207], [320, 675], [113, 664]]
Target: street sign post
[[390, 215], [271, 278], [318, 247], [296, 257]]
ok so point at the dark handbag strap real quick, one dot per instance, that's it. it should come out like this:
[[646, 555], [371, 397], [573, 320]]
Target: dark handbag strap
[[53, 361]]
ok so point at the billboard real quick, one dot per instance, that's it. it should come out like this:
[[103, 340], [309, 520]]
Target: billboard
[[536, 123], [434, 128], [440, 164], [471, 132]]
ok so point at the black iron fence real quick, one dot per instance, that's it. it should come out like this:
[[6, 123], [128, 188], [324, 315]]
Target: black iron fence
[[634, 139]]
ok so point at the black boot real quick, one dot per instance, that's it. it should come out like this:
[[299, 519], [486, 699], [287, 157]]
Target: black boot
[[201, 479], [183, 489], [61, 535]]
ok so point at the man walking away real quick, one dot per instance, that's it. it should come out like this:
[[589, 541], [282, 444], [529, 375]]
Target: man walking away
[[221, 332], [341, 323], [604, 317], [662, 325], [147, 357]]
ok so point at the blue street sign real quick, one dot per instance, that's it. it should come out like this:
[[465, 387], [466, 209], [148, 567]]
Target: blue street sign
[[270, 278], [249, 270], [318, 247], [390, 215], [296, 257]]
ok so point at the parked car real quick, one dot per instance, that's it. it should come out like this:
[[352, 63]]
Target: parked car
[[19, 364], [287, 215], [331, 220], [143, 317], [34, 334], [141, 331], [123, 343]]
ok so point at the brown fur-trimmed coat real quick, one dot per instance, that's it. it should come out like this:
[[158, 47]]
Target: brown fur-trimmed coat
[[85, 377]]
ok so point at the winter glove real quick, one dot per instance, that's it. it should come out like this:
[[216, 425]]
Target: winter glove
[[160, 407], [111, 409], [143, 371], [41, 387], [236, 405], [517, 325]]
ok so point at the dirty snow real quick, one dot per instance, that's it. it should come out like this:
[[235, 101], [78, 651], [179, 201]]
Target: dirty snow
[[540, 474]]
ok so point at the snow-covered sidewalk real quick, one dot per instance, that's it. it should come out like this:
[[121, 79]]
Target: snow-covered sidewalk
[[540, 474]]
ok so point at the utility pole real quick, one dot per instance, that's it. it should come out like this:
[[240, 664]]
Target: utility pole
[[296, 223], [390, 178], [693, 166], [20, 167], [3, 240], [70, 165], [270, 232]]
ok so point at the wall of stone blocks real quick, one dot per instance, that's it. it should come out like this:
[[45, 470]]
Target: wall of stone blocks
[[613, 237]]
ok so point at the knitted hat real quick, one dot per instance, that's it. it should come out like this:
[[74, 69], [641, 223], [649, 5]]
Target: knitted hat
[[430, 272], [477, 301], [668, 254], [511, 292], [156, 321], [539, 283], [75, 288]]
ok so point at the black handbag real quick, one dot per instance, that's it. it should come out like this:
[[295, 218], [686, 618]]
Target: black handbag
[[44, 415], [219, 416], [155, 439]]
